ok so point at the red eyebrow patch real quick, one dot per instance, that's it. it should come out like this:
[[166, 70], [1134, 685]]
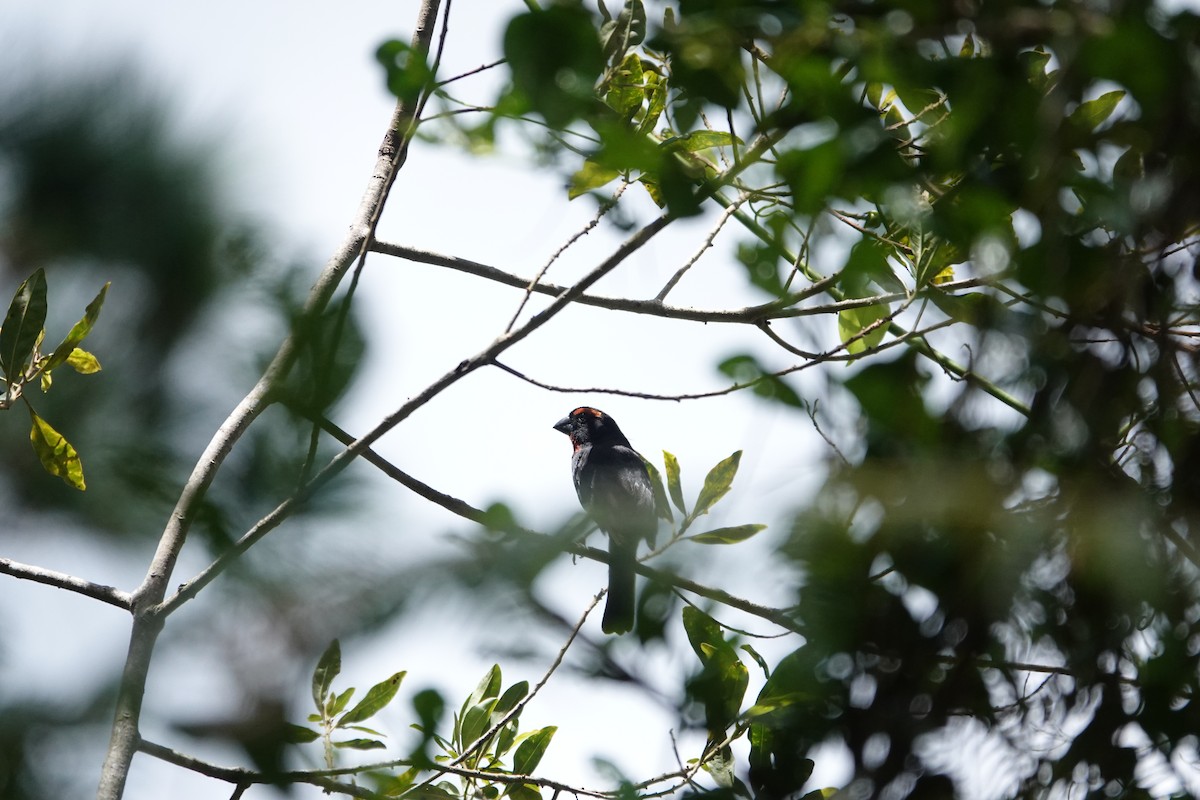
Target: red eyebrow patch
[[585, 410]]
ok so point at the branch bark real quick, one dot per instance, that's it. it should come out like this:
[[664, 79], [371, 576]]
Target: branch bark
[[97, 591], [147, 622]]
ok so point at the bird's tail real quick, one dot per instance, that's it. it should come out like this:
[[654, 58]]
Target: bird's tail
[[619, 610]]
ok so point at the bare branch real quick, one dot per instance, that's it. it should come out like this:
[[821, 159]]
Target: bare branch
[[96, 591]]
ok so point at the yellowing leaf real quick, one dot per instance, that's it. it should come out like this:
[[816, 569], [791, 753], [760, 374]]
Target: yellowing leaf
[[83, 362], [55, 452]]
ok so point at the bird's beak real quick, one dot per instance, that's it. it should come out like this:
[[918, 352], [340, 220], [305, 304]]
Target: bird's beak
[[563, 425]]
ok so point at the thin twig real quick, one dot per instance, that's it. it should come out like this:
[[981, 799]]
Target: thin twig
[[591, 224], [708, 243]]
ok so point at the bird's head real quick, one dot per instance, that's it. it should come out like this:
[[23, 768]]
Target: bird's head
[[586, 425]]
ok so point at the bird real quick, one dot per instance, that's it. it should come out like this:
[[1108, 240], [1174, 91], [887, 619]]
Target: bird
[[614, 488]]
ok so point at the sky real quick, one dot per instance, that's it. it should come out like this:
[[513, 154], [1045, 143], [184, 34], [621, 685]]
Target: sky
[[296, 103]]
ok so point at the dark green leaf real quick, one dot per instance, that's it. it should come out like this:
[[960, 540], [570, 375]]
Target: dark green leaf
[[22, 325], [717, 483], [377, 697], [745, 370], [66, 351], [555, 58], [731, 535], [298, 734], [57, 455], [406, 69], [328, 667], [360, 744], [509, 700], [475, 722]]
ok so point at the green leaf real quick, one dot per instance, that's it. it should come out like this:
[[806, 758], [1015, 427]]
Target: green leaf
[[509, 700], [701, 140], [336, 704], [57, 455], [489, 686], [973, 308], [376, 698], [731, 535], [661, 504], [854, 321], [360, 744], [968, 46], [475, 722], [747, 371], [531, 749], [625, 93], [83, 362], [657, 88], [555, 57], [298, 734], [627, 30], [717, 483], [523, 791], [590, 176], [22, 325], [673, 484], [1091, 114], [67, 349], [328, 667], [405, 68]]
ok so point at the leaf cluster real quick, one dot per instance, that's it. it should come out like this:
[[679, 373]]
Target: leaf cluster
[[23, 362]]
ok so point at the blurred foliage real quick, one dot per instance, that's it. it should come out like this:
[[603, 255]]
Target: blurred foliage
[[1011, 539], [98, 185]]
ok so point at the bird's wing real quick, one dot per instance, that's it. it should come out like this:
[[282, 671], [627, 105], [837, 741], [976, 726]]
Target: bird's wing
[[621, 498]]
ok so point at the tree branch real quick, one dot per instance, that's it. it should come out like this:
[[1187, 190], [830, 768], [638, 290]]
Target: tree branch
[[146, 623], [96, 591]]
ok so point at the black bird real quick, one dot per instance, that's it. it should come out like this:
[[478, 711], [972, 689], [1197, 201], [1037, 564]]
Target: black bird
[[614, 488]]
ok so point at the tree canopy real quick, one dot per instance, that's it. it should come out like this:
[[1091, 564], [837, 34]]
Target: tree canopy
[[979, 224]]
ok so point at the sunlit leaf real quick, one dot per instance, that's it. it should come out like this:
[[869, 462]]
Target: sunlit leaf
[[730, 535], [83, 362], [673, 481], [531, 749], [57, 455], [717, 483], [69, 347], [376, 698], [1090, 114]]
